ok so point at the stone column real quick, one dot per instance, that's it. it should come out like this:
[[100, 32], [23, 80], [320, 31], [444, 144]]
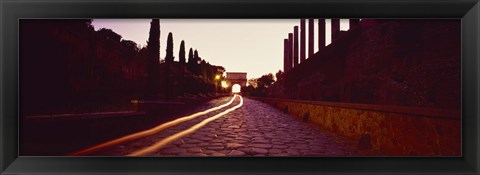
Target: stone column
[[310, 38], [321, 34], [302, 40], [290, 51], [335, 29], [354, 23], [295, 46], [285, 55]]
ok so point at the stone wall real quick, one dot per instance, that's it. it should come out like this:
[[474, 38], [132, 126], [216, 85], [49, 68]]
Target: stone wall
[[394, 130]]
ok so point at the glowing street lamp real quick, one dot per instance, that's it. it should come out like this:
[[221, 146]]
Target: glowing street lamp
[[224, 84], [217, 78]]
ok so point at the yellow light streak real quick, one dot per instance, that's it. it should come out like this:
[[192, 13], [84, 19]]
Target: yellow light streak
[[171, 138], [147, 132]]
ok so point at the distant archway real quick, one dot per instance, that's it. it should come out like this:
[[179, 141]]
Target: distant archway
[[237, 78], [236, 88]]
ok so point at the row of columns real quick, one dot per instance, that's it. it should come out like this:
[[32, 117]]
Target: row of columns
[[291, 45]]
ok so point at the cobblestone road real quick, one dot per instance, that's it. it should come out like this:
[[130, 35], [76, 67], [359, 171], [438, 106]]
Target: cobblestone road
[[255, 129]]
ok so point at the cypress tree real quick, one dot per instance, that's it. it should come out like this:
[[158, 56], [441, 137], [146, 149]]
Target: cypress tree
[[195, 56], [190, 56], [181, 54], [169, 57], [153, 43], [181, 57], [190, 60], [168, 61], [196, 64], [153, 48]]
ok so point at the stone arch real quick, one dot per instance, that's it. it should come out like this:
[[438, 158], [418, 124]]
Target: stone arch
[[239, 78]]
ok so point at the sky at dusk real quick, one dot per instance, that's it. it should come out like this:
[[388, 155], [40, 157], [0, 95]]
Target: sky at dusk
[[254, 46]]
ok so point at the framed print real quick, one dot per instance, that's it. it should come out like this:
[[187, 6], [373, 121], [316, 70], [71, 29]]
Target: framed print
[[270, 87]]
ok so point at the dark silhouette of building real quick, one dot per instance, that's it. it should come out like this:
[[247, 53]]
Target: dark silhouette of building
[[288, 53], [321, 34], [382, 78], [335, 29], [354, 23], [302, 40], [285, 55], [295, 46], [290, 50], [239, 78], [310, 38]]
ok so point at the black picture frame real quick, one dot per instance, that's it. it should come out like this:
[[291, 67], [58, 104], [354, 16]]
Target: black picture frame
[[11, 11]]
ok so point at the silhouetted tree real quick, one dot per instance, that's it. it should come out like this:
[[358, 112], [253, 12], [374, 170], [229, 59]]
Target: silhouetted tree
[[204, 69], [168, 61], [130, 48], [130, 45], [191, 61], [265, 80], [196, 58], [86, 69], [258, 86], [181, 54], [190, 56], [196, 63], [153, 46], [253, 82], [169, 56], [279, 75], [94, 68], [181, 57], [110, 35]]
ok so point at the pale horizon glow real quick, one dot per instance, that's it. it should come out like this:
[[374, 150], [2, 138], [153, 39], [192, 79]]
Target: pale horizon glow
[[254, 46]]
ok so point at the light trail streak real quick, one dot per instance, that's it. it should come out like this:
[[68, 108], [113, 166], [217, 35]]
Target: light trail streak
[[149, 131], [171, 138]]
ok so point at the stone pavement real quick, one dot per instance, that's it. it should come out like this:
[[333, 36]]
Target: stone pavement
[[255, 129]]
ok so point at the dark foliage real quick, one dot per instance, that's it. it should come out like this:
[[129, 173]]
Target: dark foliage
[[259, 86], [279, 75], [68, 67], [265, 81], [110, 35]]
